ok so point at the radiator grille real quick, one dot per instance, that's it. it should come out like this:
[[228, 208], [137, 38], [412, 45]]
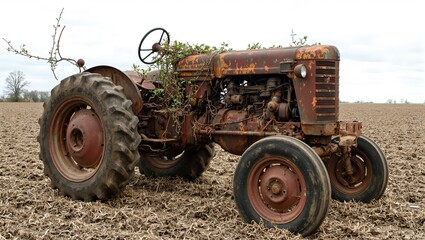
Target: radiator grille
[[326, 91]]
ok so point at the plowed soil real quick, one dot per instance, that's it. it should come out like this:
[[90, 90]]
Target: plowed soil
[[205, 209]]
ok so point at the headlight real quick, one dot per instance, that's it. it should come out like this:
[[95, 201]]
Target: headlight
[[300, 71]]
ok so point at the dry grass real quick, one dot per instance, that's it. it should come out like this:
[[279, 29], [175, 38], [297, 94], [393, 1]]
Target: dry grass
[[204, 209]]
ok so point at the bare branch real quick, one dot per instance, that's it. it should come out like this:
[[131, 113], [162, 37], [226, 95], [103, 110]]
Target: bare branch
[[54, 54], [58, 42]]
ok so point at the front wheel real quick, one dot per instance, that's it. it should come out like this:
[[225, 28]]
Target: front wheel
[[88, 138], [282, 182], [370, 173]]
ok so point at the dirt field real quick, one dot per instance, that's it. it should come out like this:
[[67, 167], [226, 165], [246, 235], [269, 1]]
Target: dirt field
[[205, 209]]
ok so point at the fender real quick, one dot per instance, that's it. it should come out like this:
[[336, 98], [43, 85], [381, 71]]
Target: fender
[[129, 80]]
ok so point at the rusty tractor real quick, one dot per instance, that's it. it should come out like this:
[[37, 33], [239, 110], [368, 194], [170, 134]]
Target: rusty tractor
[[277, 108]]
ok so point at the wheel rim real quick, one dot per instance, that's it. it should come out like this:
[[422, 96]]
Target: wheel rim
[[276, 189], [164, 162], [168, 158], [361, 178], [76, 140]]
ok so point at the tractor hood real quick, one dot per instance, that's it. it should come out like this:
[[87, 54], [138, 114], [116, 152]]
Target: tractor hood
[[252, 62]]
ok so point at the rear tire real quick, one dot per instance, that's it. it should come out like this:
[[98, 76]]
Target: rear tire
[[189, 165], [370, 173], [280, 181], [88, 138]]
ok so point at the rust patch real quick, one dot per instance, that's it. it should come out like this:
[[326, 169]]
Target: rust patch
[[246, 69], [222, 66], [317, 52], [196, 67], [314, 102], [191, 62]]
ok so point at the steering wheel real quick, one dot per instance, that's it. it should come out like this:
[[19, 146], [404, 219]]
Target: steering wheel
[[146, 52]]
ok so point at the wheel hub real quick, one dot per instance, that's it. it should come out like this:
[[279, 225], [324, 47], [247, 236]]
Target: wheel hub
[[84, 138], [276, 187], [280, 188], [359, 172]]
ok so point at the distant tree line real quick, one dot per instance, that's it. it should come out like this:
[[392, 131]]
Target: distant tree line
[[15, 90], [27, 96], [389, 101], [402, 101]]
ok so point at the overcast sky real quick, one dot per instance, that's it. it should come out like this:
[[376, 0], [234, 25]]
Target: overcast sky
[[382, 43]]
